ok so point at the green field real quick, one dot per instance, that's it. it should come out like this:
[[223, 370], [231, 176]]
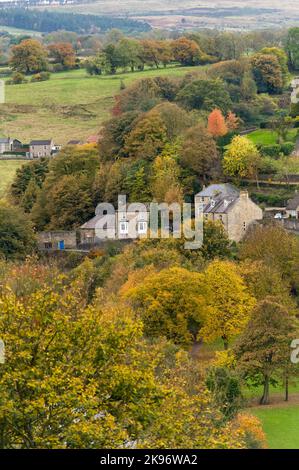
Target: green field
[[17, 31], [7, 172], [281, 424], [269, 137], [71, 105]]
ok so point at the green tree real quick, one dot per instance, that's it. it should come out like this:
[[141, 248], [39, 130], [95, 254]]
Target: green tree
[[205, 95], [215, 241], [17, 238], [292, 43], [264, 346]]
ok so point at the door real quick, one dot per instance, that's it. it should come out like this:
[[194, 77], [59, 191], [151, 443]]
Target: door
[[61, 245]]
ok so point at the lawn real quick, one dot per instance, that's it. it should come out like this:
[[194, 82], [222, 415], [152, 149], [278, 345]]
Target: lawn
[[71, 105], [269, 137], [7, 172], [281, 424]]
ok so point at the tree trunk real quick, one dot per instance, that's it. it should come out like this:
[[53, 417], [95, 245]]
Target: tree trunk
[[286, 387], [265, 397], [225, 342]]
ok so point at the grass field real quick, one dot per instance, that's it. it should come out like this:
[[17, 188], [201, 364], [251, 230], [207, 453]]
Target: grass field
[[71, 105], [280, 423], [7, 172], [269, 137]]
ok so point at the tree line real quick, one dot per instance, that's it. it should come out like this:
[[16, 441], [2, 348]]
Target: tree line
[[47, 21]]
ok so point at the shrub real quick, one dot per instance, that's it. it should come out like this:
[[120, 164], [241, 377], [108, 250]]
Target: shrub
[[41, 77], [287, 148], [271, 150], [16, 79]]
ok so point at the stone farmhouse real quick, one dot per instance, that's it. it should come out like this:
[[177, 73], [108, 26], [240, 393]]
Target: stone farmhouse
[[41, 148], [233, 208], [124, 225]]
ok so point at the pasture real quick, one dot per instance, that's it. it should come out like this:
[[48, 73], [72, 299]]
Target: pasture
[[71, 105], [7, 172]]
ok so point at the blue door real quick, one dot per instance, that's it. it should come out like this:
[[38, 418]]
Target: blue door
[[61, 245]]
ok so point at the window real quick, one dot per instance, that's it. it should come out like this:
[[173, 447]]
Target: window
[[48, 245], [142, 227], [123, 228]]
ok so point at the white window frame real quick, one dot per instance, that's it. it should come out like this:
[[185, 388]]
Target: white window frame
[[125, 230], [142, 226]]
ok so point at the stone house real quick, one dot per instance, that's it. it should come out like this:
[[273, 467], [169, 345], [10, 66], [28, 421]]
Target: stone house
[[41, 148], [59, 240], [233, 208], [123, 224], [292, 209], [9, 145]]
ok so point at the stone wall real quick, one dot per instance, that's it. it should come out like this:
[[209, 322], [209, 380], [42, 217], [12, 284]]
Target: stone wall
[[51, 240], [241, 216]]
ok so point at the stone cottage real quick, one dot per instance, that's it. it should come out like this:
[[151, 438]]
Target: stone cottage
[[233, 208]]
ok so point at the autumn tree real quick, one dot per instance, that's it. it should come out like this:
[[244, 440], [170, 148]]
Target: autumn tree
[[199, 152], [63, 53], [165, 184], [276, 247], [232, 122], [241, 159], [171, 303], [282, 58], [264, 346], [30, 56], [186, 51], [216, 124], [267, 73], [147, 138], [231, 303]]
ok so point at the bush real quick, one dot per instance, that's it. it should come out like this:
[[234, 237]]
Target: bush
[[271, 150], [16, 79], [41, 77], [225, 386], [287, 148]]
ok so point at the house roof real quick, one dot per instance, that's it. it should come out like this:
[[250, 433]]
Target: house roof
[[4, 140], [220, 205], [41, 142], [74, 142], [293, 203], [92, 139], [214, 190], [92, 223]]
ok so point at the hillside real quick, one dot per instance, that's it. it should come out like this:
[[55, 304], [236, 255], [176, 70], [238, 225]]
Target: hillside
[[70, 105], [175, 14]]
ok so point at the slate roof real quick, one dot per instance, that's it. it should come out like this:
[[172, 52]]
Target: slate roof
[[221, 205], [293, 203], [41, 142], [224, 189]]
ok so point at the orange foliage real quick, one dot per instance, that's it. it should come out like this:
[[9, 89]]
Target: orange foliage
[[216, 124]]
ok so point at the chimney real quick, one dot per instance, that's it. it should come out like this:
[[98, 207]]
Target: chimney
[[244, 194]]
